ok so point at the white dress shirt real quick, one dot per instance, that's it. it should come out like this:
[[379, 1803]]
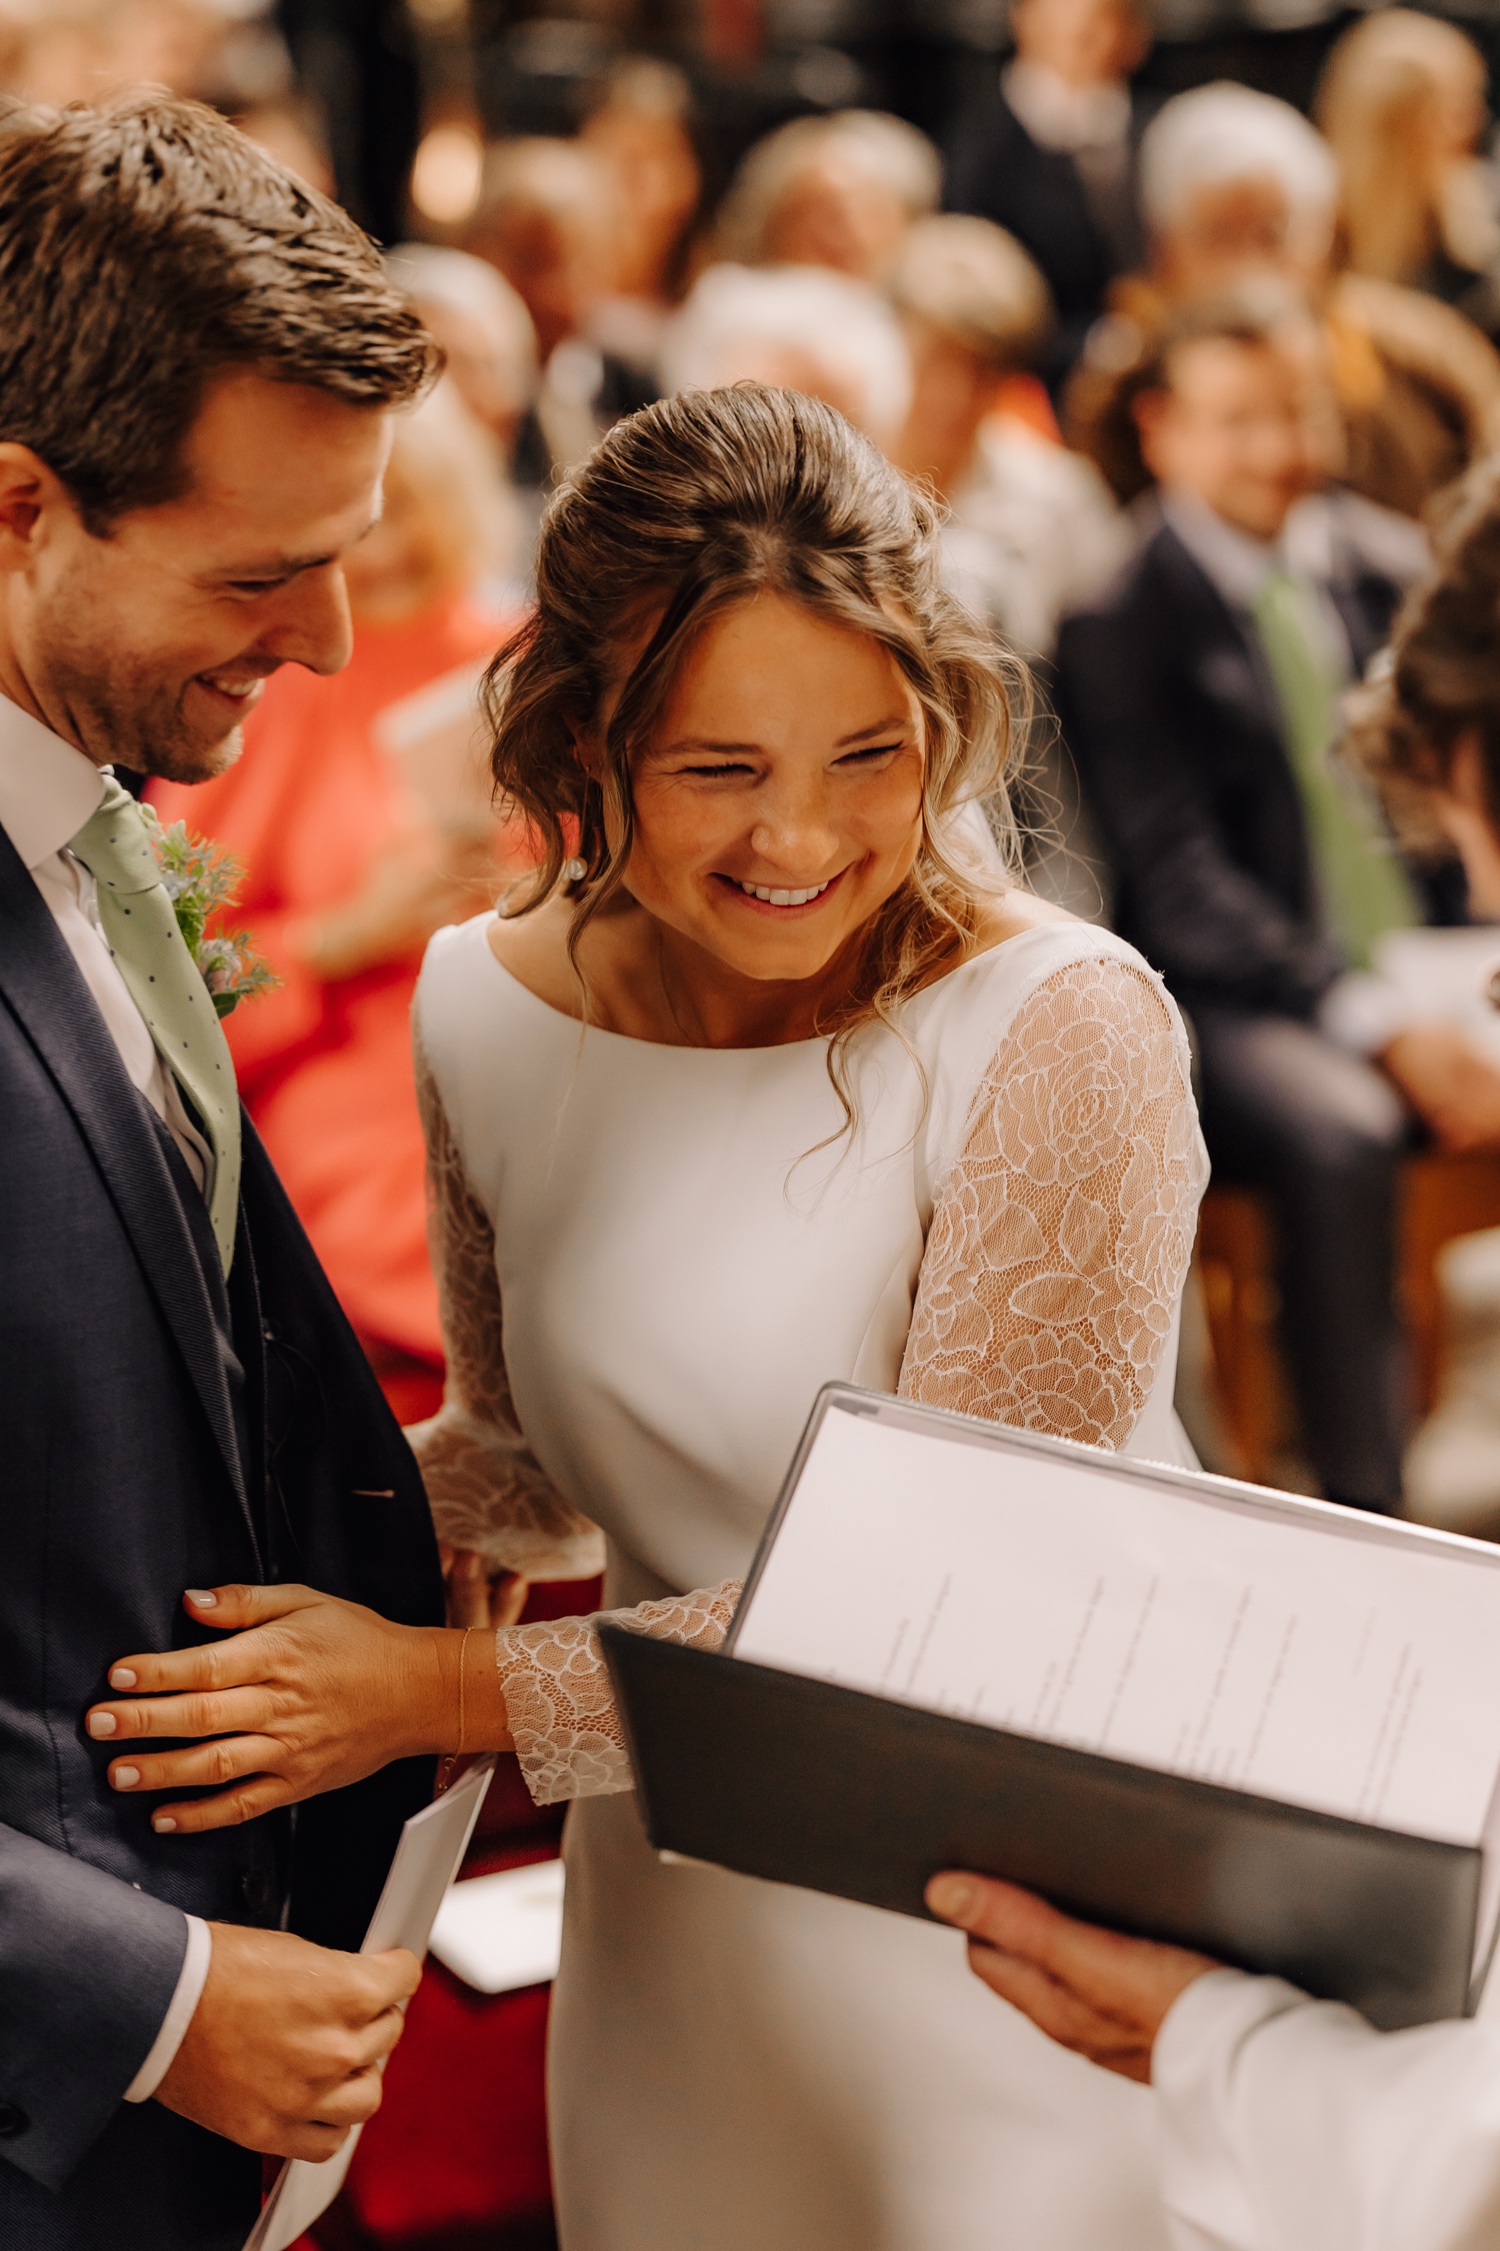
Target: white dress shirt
[[48, 790], [1068, 119]]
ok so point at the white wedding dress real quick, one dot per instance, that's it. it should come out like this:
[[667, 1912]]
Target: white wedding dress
[[683, 1245]]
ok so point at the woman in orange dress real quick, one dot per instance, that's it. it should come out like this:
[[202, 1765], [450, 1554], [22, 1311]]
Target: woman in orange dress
[[360, 834]]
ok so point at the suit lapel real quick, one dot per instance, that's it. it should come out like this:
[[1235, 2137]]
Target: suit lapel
[[1222, 638], [1231, 669], [40, 983]]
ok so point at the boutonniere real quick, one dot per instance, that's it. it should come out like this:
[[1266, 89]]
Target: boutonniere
[[201, 882]]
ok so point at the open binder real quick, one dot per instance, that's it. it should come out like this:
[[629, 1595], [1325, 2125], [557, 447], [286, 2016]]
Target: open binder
[[1283, 1753]]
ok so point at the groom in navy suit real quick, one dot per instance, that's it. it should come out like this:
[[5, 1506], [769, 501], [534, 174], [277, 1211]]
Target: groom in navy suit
[[199, 359]]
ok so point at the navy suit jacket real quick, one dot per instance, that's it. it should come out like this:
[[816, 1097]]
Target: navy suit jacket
[[1172, 716], [158, 1433], [996, 170]]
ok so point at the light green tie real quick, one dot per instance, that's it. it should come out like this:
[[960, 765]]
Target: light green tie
[[1365, 888], [152, 956]]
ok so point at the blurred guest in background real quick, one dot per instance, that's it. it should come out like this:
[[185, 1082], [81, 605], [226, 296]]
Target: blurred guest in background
[[1239, 190], [1200, 698], [483, 327], [224, 51], [1402, 102], [640, 132], [547, 220], [1235, 184], [835, 191], [797, 328], [544, 222], [1032, 529], [291, 129], [352, 861], [1050, 153]]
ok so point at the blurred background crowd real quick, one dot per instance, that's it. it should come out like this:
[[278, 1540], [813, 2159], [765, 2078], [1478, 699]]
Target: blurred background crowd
[[1188, 311]]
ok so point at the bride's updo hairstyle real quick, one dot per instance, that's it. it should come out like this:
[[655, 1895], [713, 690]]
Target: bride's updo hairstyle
[[696, 504]]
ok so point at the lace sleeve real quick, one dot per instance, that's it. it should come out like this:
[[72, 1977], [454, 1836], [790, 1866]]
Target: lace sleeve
[[1061, 1237], [558, 1696], [486, 1487]]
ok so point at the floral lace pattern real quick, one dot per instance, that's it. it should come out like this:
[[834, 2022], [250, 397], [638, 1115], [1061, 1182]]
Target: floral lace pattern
[[557, 1690], [487, 1489], [1060, 1241], [1057, 1250]]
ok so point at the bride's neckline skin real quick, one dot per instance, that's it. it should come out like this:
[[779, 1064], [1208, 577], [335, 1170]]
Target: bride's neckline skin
[[775, 812]]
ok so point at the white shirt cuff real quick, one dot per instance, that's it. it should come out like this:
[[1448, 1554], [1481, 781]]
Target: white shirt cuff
[[190, 1983], [1362, 1013]]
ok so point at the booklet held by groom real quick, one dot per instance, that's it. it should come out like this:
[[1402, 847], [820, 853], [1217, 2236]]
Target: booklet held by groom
[[428, 1858], [1236, 1720]]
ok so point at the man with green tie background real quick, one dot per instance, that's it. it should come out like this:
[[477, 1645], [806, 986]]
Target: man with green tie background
[[199, 363], [1200, 696]]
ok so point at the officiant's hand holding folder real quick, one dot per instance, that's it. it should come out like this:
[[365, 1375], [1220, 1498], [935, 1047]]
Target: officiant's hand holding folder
[[1238, 1721]]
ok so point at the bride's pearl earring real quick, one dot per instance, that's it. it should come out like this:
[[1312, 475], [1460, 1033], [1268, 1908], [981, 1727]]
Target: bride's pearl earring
[[574, 871]]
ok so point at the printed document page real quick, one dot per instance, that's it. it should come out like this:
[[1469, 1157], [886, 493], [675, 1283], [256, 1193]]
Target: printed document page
[[1154, 1623]]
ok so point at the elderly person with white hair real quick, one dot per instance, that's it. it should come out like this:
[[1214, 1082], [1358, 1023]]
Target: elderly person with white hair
[[1239, 190], [799, 328], [837, 191], [1234, 183]]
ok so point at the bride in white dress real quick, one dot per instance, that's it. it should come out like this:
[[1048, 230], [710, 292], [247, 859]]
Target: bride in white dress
[[655, 1246], [778, 1083]]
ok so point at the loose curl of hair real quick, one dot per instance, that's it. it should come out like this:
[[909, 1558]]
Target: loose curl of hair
[[698, 503], [1439, 681]]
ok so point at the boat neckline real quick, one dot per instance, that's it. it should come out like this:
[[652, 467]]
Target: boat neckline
[[777, 1047]]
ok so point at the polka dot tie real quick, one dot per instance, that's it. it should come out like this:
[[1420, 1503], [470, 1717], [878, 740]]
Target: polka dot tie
[[152, 956]]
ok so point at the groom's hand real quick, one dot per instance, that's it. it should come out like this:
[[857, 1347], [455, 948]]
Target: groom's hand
[[310, 1694], [285, 2047]]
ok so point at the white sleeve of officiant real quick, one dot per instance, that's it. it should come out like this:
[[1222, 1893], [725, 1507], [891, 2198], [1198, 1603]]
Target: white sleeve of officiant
[[1291, 2125]]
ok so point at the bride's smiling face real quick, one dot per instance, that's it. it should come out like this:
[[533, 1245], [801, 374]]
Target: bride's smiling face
[[779, 803]]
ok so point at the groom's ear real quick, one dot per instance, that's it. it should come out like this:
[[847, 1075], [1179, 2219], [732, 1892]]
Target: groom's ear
[[30, 494]]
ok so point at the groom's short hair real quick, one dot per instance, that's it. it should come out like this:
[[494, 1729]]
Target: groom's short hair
[[143, 249]]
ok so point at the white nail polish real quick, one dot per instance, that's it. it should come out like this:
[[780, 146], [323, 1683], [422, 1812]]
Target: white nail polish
[[122, 1677], [201, 1599], [125, 1777], [163, 1824], [102, 1723]]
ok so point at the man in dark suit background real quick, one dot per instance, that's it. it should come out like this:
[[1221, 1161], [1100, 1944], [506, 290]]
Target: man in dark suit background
[[1050, 154], [198, 364], [1199, 696]]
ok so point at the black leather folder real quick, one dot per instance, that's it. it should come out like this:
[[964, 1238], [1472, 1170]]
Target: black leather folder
[[804, 1782]]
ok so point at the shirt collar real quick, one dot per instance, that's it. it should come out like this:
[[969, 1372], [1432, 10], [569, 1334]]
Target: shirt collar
[[47, 788], [1236, 564], [1063, 117]]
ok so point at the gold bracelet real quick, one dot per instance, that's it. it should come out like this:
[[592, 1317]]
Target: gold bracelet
[[463, 1651]]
